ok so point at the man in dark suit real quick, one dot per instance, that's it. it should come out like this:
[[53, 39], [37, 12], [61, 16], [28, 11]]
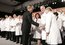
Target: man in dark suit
[[26, 25]]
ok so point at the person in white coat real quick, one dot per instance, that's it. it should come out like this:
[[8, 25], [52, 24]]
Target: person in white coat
[[43, 24], [62, 17], [2, 26], [37, 33], [52, 30], [42, 9], [6, 16], [10, 19], [7, 27], [13, 27], [18, 31]]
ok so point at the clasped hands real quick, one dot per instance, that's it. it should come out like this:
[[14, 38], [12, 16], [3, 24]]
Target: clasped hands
[[41, 27]]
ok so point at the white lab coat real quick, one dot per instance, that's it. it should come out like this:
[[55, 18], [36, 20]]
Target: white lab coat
[[37, 35], [12, 25], [54, 36], [7, 24], [18, 27], [60, 23], [43, 21], [2, 25], [62, 17]]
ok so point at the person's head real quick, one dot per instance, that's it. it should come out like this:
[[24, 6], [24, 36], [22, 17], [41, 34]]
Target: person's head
[[37, 15], [6, 16], [42, 8], [30, 8], [48, 9], [14, 16], [10, 17]]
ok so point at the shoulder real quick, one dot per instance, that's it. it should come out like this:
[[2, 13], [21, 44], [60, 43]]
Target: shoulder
[[26, 12], [50, 14]]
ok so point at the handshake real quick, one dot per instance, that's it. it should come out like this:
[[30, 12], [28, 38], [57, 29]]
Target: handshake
[[41, 27]]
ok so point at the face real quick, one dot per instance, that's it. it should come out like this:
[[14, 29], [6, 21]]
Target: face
[[42, 8], [10, 17], [37, 16], [14, 16], [6, 16], [46, 11], [31, 9]]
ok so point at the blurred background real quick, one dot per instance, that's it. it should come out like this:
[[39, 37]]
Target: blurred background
[[19, 6]]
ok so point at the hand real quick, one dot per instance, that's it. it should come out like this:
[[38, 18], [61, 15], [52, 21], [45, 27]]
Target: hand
[[47, 34], [42, 27]]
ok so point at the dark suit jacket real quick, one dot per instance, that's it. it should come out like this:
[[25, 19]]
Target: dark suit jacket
[[27, 21]]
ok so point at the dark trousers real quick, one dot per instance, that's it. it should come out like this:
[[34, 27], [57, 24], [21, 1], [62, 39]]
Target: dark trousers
[[3, 34], [17, 39], [0, 32], [63, 36], [7, 35], [13, 37], [20, 39], [64, 41], [26, 39], [30, 39], [43, 42]]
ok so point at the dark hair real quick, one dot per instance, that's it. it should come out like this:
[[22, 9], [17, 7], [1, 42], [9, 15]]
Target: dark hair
[[55, 13], [38, 15]]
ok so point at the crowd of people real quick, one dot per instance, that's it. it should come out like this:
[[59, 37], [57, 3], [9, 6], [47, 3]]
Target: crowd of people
[[10, 27], [51, 25], [47, 27]]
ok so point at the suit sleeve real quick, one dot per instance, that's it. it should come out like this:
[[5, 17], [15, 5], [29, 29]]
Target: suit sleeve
[[31, 21]]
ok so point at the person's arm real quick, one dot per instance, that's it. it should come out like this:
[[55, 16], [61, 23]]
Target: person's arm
[[31, 21]]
